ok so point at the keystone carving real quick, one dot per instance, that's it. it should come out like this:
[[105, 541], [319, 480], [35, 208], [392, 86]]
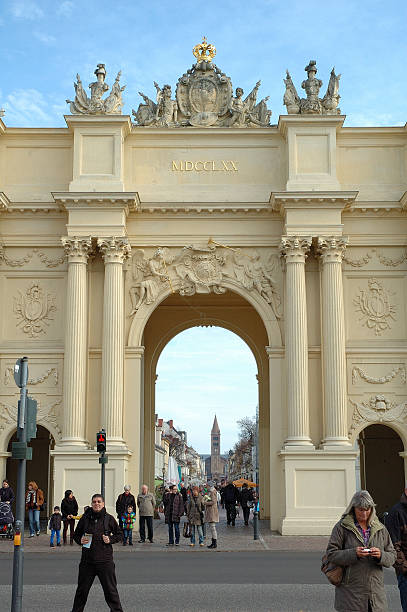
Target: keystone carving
[[95, 105], [375, 307], [312, 104], [377, 410], [34, 309], [45, 415]]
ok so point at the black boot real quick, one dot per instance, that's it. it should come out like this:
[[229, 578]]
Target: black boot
[[213, 545]]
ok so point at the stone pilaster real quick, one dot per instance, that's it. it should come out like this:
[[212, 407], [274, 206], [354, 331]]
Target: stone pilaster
[[114, 251], [331, 250], [295, 249], [77, 250]]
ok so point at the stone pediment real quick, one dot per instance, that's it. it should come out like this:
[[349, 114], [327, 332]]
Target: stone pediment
[[203, 98]]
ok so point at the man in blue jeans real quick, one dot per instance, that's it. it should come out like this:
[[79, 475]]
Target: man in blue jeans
[[173, 510], [396, 523]]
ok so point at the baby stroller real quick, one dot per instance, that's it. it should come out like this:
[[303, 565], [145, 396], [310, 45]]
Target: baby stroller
[[6, 521]]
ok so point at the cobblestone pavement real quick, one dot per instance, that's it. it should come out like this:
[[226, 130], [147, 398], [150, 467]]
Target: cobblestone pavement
[[230, 538]]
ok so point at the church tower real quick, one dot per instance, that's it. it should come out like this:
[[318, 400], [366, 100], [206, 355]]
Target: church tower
[[216, 462]]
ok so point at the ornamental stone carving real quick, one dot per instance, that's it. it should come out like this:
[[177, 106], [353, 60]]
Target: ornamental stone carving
[[202, 270], [8, 377], [375, 306], [77, 249], [332, 249], [204, 98], [114, 249], [45, 415], [312, 104], [95, 105], [377, 410], [381, 380], [22, 261], [34, 309], [295, 248]]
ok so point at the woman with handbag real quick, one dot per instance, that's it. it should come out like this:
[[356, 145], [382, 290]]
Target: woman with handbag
[[360, 544], [195, 514]]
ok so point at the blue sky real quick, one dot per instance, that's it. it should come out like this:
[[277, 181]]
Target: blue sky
[[44, 43], [202, 372]]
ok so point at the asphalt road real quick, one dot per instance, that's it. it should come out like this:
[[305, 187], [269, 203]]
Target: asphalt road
[[196, 581]]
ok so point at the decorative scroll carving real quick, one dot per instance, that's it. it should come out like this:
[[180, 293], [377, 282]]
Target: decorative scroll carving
[[382, 379], [45, 415], [33, 310], [312, 104], [8, 376], [22, 261], [112, 105], [377, 410], [375, 306], [204, 98], [358, 263], [202, 270], [393, 263], [385, 261]]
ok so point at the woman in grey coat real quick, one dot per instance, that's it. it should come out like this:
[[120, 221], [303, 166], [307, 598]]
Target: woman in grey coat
[[362, 546]]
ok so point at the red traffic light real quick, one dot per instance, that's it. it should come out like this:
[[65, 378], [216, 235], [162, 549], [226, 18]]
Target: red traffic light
[[101, 441]]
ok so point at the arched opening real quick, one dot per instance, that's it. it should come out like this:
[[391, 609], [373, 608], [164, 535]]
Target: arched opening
[[231, 312], [39, 468], [381, 467]]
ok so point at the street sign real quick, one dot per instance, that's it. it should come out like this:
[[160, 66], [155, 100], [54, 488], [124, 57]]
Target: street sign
[[20, 373], [31, 422]]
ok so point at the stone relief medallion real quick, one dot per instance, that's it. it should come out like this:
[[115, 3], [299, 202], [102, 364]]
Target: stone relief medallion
[[375, 306], [200, 271], [33, 310]]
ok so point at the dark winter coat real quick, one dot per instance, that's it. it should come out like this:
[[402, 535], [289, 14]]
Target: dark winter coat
[[97, 523], [123, 502], [184, 494], [69, 506], [55, 521], [173, 508], [6, 494], [363, 578], [230, 494], [246, 496], [396, 523], [195, 510]]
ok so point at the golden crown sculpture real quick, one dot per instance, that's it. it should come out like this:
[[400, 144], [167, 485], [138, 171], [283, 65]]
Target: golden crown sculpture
[[204, 52]]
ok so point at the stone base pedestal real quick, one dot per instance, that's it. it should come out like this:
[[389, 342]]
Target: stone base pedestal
[[318, 487], [80, 471]]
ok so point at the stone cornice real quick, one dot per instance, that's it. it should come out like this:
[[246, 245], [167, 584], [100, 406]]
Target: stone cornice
[[403, 201], [93, 121], [286, 121], [130, 201], [207, 208], [311, 199], [4, 202]]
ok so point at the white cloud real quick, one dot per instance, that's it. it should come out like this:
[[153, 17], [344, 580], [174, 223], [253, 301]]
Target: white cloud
[[47, 39], [26, 107], [26, 9], [65, 8]]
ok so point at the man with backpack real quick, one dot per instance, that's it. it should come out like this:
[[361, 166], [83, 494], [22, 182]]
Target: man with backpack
[[96, 532]]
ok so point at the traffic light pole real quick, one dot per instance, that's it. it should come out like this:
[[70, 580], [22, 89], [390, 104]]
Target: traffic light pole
[[102, 461], [18, 560]]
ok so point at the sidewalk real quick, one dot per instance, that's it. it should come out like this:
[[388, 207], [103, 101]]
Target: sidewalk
[[238, 538]]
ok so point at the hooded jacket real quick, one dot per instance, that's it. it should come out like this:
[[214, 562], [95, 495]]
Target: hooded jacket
[[97, 524], [363, 578], [396, 523]]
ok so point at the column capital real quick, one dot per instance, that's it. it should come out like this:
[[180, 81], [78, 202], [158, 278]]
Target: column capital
[[295, 248], [77, 248], [115, 249], [332, 248]]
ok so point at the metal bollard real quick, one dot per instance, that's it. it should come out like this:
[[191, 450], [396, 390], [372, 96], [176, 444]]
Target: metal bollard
[[256, 522]]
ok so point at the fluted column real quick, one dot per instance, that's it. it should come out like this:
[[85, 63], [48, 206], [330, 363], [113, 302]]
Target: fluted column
[[114, 251], [331, 250], [295, 249], [77, 250]]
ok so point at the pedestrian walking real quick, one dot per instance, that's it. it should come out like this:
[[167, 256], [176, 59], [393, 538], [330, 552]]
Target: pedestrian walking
[[195, 513], [69, 510], [123, 501], [396, 523], [6, 492], [212, 515], [96, 532], [173, 510], [246, 502], [184, 493], [362, 546], [55, 523], [146, 504], [128, 519], [34, 500], [230, 498]]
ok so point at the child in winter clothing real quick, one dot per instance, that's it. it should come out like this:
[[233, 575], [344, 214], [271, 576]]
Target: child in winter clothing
[[55, 526], [128, 520]]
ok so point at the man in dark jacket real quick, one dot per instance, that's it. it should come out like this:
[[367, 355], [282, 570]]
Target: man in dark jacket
[[96, 532], [184, 494], [124, 500], [246, 502], [396, 523], [173, 510], [230, 497]]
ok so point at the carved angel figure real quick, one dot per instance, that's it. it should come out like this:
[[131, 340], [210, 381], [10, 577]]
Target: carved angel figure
[[312, 104], [148, 274], [95, 105], [163, 113]]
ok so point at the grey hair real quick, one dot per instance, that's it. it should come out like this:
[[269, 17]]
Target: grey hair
[[362, 499], [127, 487]]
